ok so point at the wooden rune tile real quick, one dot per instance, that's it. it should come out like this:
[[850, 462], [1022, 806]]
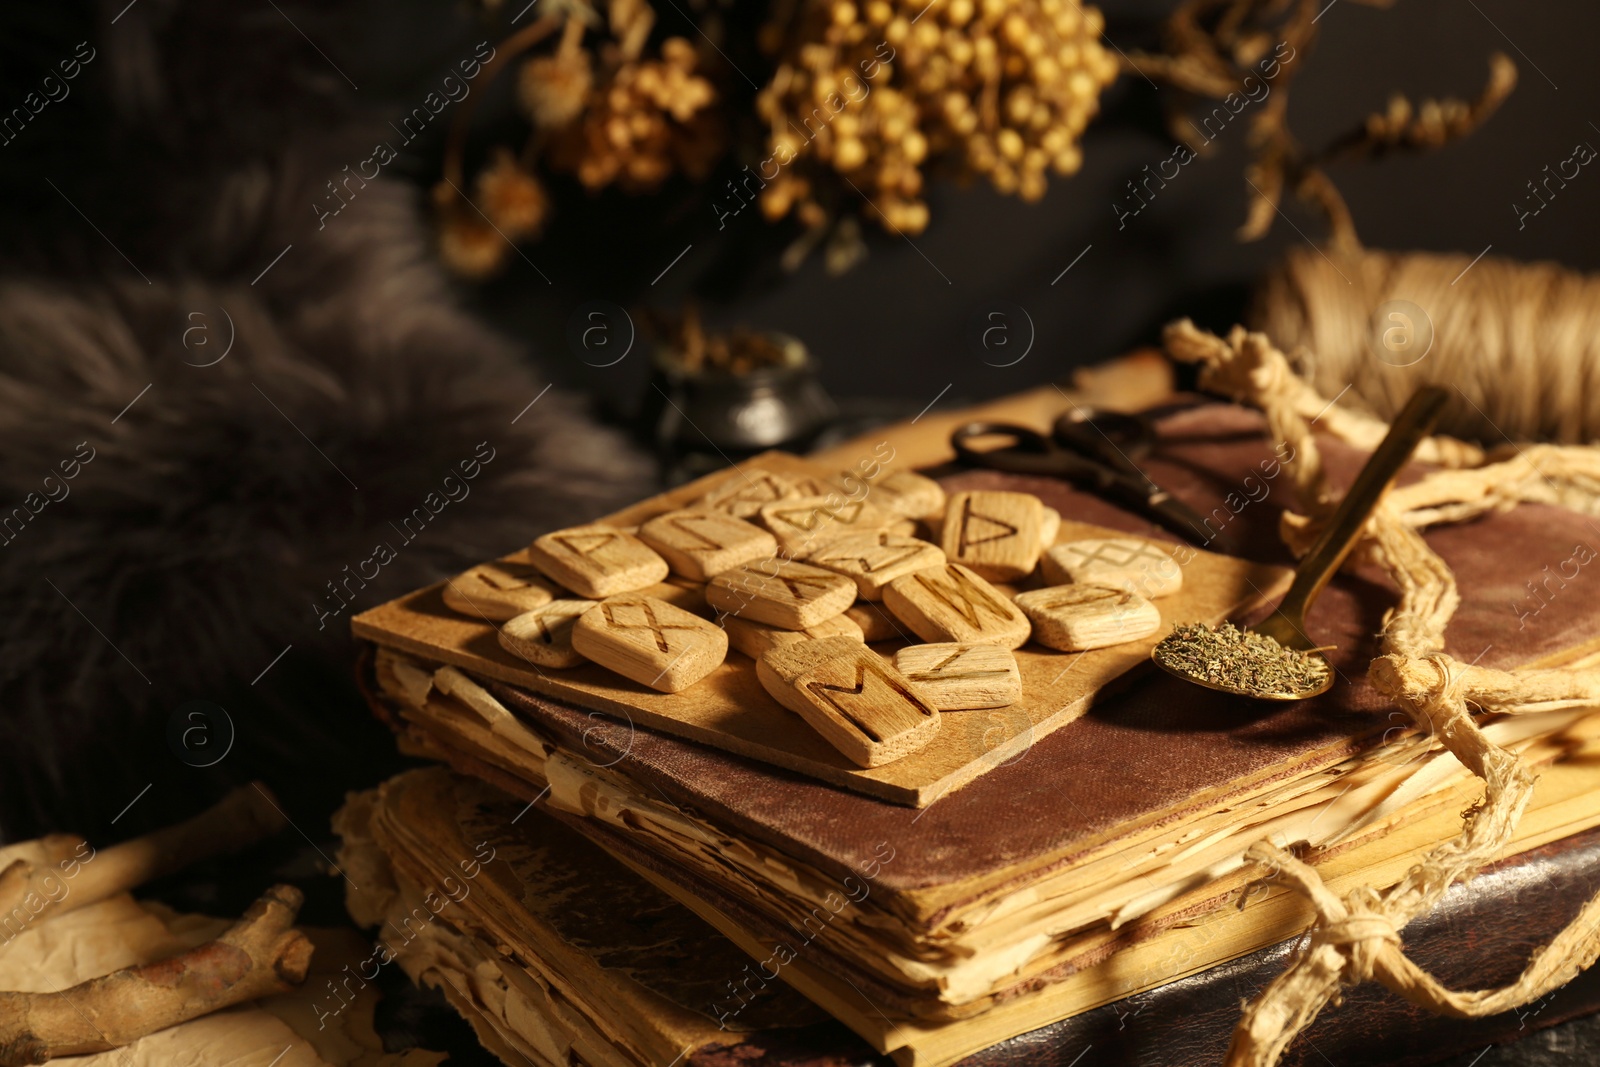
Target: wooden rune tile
[[952, 603], [804, 524], [957, 677], [873, 560], [1120, 562], [744, 493], [700, 543], [844, 486], [1074, 618], [543, 636], [851, 696], [497, 591], [650, 641], [994, 533], [909, 494], [680, 592], [755, 638], [597, 561], [1049, 526], [781, 592], [901, 493]]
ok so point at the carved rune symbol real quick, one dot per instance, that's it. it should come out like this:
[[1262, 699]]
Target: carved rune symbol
[[504, 585], [965, 599], [1086, 595], [979, 529], [811, 518], [1128, 550], [937, 672], [548, 621], [761, 486], [871, 561], [585, 545], [798, 586], [839, 697], [656, 628], [681, 524]]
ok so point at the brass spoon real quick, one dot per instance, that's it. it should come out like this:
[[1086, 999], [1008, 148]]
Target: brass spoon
[[1287, 625]]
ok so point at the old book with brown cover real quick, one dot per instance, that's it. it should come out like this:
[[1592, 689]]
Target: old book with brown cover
[[586, 951], [1150, 767]]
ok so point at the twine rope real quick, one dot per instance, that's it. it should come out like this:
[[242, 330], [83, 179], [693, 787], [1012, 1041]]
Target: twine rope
[[1357, 937], [1520, 340]]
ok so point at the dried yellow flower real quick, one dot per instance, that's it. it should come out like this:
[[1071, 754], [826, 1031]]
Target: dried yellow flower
[[875, 90], [513, 199], [468, 245], [553, 89], [653, 117], [605, 112]]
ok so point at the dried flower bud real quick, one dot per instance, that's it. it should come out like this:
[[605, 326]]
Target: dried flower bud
[[468, 245], [512, 198], [553, 89], [679, 53]]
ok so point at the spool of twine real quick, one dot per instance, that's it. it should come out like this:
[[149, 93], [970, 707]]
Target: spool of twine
[[1520, 340]]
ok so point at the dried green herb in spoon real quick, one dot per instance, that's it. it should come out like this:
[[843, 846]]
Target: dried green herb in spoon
[[1242, 661]]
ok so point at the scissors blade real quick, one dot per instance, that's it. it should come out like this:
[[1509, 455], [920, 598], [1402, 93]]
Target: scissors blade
[[1188, 523]]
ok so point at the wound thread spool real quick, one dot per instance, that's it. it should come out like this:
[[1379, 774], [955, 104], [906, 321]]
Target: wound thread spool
[[1520, 340]]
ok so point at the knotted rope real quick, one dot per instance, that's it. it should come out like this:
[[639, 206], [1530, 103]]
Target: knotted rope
[[1357, 937]]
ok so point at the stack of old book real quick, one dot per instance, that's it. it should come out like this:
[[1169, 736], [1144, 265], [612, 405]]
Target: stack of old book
[[651, 899]]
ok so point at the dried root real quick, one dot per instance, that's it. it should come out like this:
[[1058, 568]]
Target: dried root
[[260, 955]]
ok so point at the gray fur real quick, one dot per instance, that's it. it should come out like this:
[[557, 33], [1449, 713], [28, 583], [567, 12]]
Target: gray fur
[[200, 539]]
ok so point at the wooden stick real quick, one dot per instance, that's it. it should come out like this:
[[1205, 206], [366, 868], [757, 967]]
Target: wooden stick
[[259, 955], [74, 875]]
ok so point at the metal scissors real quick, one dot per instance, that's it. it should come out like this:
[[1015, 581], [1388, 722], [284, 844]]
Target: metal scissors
[[1094, 450]]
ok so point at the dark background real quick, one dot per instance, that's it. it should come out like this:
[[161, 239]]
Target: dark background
[[898, 325]]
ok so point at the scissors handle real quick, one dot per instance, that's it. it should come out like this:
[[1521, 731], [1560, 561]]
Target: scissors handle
[[1131, 431], [1095, 453], [1023, 451], [1114, 438]]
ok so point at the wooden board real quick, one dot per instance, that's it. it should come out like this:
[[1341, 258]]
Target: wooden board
[[729, 709]]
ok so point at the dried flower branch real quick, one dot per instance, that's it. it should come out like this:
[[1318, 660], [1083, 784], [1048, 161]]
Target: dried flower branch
[[609, 114], [651, 118], [868, 93], [1434, 124], [1214, 46]]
